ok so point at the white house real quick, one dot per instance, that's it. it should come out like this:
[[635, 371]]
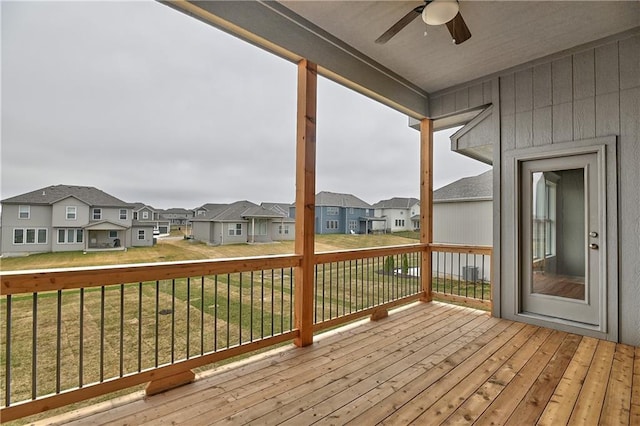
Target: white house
[[400, 214]]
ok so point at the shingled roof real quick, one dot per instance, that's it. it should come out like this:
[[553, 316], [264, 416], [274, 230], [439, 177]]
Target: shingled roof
[[396, 203], [474, 188], [238, 211], [333, 199], [52, 194]]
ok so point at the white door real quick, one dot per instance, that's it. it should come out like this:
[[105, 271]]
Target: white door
[[561, 239]]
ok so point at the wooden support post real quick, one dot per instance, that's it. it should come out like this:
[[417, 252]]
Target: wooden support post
[[166, 383], [305, 200], [426, 204]]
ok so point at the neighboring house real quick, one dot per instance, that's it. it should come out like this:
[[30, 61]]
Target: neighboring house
[[177, 216], [145, 214], [241, 222], [398, 213], [205, 209], [68, 218], [463, 214], [462, 211], [342, 214]]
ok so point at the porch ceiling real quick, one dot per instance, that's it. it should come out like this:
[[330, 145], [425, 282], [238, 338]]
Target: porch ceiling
[[339, 37], [504, 34]]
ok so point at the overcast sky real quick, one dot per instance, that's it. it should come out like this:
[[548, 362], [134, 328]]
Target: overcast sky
[[150, 105]]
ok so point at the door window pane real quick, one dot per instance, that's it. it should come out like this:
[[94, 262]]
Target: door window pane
[[558, 233]]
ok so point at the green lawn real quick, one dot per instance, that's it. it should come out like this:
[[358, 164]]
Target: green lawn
[[177, 249]]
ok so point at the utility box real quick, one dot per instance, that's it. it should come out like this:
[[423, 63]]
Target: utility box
[[470, 273]]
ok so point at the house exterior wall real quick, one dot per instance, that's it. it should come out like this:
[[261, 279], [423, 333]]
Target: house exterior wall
[[397, 220], [463, 222], [39, 218], [147, 241], [59, 213], [201, 231], [287, 233], [586, 93]]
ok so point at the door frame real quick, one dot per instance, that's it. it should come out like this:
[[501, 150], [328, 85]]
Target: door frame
[[511, 267]]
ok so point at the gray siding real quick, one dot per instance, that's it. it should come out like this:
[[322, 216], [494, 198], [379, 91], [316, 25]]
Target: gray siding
[[463, 222], [584, 94], [40, 217], [59, 213]]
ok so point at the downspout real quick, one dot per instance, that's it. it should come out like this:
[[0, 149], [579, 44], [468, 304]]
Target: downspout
[[253, 229]]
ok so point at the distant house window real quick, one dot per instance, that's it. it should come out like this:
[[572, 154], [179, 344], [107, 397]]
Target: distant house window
[[24, 212], [72, 213], [353, 224], [283, 229], [145, 215], [113, 234], [135, 215], [235, 229], [352, 210], [332, 224], [18, 236], [332, 211], [97, 214], [70, 236], [141, 234], [399, 222], [123, 214], [30, 236]]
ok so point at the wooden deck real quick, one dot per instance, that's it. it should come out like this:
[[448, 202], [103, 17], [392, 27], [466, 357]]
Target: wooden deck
[[425, 364]]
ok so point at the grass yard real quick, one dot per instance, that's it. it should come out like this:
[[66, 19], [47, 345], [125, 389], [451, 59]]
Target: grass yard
[[177, 249]]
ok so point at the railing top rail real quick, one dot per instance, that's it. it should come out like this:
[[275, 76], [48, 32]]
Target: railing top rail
[[31, 281], [341, 255], [461, 248]]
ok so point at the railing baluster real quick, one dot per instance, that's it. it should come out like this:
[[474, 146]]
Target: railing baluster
[[273, 311], [139, 327], [121, 330], [188, 327], [173, 319], [7, 348], [34, 346], [262, 305], [81, 339], [157, 324], [102, 297], [251, 309], [240, 315], [202, 308]]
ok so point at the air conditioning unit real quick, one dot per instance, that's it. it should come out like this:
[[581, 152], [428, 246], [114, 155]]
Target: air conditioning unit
[[470, 273]]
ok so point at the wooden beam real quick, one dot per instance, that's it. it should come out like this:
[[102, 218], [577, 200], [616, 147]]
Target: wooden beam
[[426, 203], [305, 200]]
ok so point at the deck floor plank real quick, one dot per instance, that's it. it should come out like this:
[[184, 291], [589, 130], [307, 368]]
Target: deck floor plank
[[336, 394], [428, 363], [501, 408], [477, 403], [589, 404], [617, 401], [558, 410]]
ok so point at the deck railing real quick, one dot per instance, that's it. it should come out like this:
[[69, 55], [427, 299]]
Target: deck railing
[[74, 334], [462, 274]]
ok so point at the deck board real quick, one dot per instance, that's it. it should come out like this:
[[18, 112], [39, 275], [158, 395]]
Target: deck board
[[429, 363]]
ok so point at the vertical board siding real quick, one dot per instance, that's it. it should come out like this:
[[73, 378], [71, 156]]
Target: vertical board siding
[[584, 75], [629, 63], [592, 93], [607, 79], [629, 226]]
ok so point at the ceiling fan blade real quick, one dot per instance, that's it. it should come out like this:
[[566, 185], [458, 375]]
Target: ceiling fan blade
[[403, 22], [458, 29]]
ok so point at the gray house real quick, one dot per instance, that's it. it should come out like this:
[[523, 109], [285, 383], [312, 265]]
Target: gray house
[[145, 214], [240, 222], [399, 214], [463, 211], [176, 216], [68, 218]]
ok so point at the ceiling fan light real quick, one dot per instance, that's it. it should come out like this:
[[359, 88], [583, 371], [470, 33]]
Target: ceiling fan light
[[440, 12]]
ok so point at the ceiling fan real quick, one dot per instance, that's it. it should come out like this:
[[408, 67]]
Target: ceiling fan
[[434, 12]]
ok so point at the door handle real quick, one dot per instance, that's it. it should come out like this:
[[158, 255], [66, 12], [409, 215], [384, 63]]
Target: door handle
[[593, 246]]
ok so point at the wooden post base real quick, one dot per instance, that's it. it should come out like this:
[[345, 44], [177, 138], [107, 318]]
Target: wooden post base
[[166, 383], [379, 314]]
